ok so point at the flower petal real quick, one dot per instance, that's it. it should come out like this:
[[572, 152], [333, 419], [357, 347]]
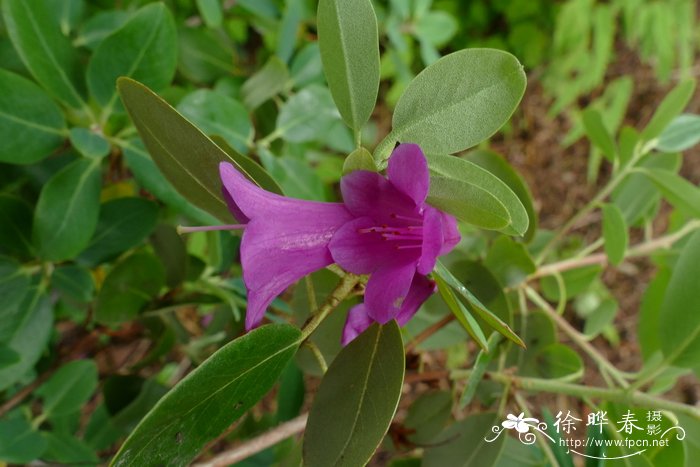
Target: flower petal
[[450, 233], [387, 290], [363, 253], [276, 251], [368, 194], [432, 239], [233, 207], [253, 201], [408, 172], [357, 321], [421, 289]]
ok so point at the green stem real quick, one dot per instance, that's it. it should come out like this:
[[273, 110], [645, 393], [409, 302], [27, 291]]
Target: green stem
[[344, 288], [578, 338], [317, 355], [618, 395], [599, 198]]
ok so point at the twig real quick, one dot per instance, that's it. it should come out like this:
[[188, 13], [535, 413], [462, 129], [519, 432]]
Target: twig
[[22, 393], [344, 288], [640, 249], [258, 444], [619, 395], [429, 331]]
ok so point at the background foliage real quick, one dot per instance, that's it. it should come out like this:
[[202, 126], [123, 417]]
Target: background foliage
[[105, 307]]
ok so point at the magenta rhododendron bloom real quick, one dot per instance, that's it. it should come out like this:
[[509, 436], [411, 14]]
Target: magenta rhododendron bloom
[[383, 228]]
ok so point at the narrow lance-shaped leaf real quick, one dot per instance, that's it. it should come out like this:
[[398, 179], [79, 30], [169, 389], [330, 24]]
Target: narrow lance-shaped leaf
[[461, 313], [348, 39], [356, 400], [476, 306], [614, 233], [211, 398], [187, 157], [456, 102]]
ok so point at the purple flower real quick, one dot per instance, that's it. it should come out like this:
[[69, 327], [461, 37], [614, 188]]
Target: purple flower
[[383, 228]]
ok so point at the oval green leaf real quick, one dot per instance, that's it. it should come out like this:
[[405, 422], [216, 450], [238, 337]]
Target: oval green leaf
[[45, 51], [69, 388], [67, 210], [218, 114], [683, 133], [498, 166], [672, 105], [210, 398], [123, 223], [308, 115], [679, 322], [128, 287], [348, 39], [614, 233], [31, 124], [145, 49], [475, 195], [477, 91], [356, 400]]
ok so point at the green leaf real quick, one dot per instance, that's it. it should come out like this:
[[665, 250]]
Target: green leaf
[[14, 285], [348, 39], [428, 416], [476, 306], [144, 49], [128, 287], [463, 444], [74, 281], [89, 143], [289, 28], [649, 309], [172, 252], [307, 115], [148, 175], [678, 191], [31, 124], [436, 27], [680, 329], [16, 219], [598, 133], [68, 13], [20, 443], [204, 55], [357, 399], [636, 196], [217, 114], [478, 91], [558, 361], [359, 159], [460, 312], [28, 334], [509, 261], [69, 388], [64, 448], [67, 209], [97, 27], [683, 133], [46, 52], [672, 105], [123, 223], [211, 12], [211, 398], [498, 166], [614, 233], [187, 158], [467, 191], [269, 81], [483, 359]]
